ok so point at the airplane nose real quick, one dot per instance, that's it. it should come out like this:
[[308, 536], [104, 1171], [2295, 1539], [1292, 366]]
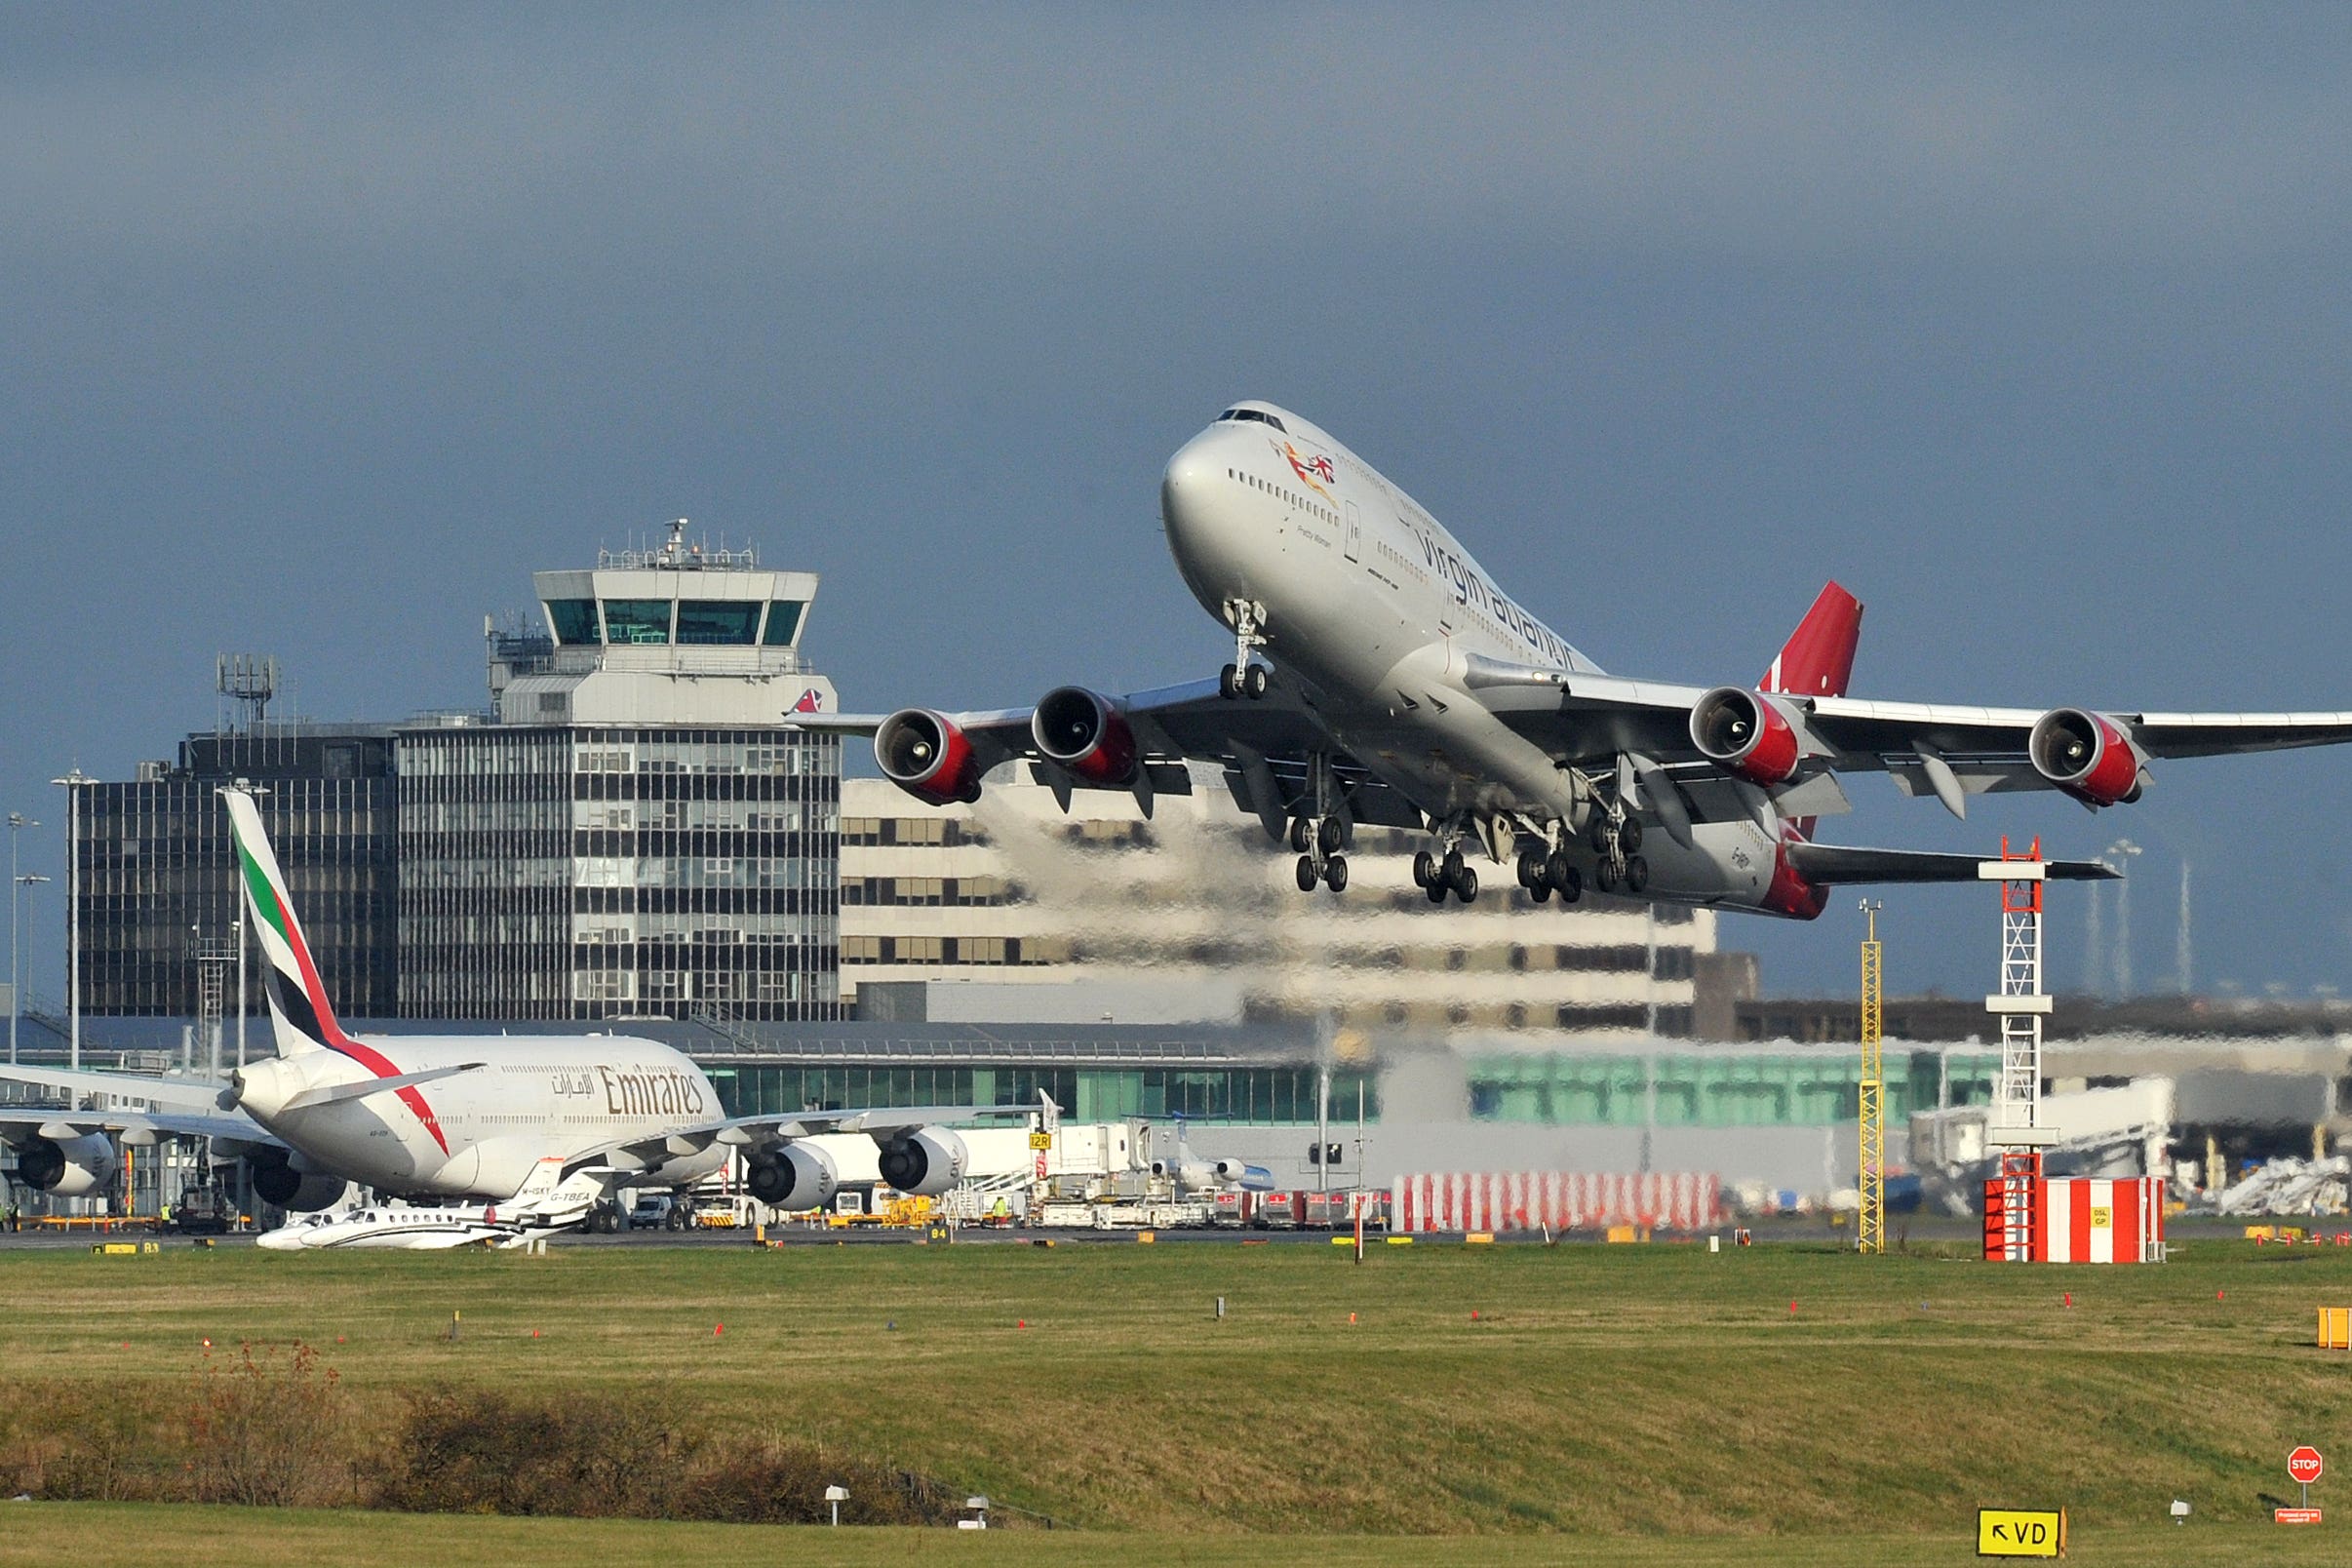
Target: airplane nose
[[1187, 506]]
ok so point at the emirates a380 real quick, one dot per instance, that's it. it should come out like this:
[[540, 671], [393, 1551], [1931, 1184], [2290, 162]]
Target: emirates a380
[[540, 1126], [1380, 676]]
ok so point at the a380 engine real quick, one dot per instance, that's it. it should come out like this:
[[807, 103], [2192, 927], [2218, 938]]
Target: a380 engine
[[298, 1191], [1081, 731], [925, 1163], [925, 754], [801, 1176], [1745, 732], [2089, 756], [67, 1163]]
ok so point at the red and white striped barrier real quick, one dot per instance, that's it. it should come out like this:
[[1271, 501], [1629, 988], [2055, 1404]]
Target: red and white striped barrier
[[1564, 1201], [2095, 1219]]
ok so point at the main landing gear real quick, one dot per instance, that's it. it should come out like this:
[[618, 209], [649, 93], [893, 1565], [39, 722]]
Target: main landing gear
[[1241, 678], [1320, 843], [1450, 874], [1615, 839], [1544, 873]]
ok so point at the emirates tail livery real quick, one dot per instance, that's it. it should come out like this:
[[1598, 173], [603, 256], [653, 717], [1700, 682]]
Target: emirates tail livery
[[534, 1118], [1381, 677]]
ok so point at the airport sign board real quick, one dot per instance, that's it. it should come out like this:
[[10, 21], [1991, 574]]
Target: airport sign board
[[2020, 1531]]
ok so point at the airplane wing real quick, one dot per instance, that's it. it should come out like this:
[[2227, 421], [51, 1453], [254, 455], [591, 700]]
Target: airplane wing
[[20, 1124], [1263, 744], [200, 1095], [881, 1123], [1947, 751]]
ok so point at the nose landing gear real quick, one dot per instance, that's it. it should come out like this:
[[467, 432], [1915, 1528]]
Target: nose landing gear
[[1241, 678]]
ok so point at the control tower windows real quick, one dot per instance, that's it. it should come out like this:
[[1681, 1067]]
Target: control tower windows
[[717, 622], [575, 620], [783, 623], [636, 621]]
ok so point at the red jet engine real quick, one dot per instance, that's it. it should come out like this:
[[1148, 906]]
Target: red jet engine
[[925, 754], [1745, 732], [2088, 755]]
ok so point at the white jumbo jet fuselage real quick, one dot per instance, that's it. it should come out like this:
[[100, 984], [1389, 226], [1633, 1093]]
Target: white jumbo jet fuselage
[[483, 1131], [1372, 601]]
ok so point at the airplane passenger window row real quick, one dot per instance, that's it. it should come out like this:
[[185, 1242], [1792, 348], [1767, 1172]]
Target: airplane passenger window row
[[1298, 502]]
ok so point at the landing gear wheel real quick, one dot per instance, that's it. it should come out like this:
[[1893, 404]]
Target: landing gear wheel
[[1558, 872], [1531, 868], [1298, 835], [1335, 874], [1541, 893], [1605, 877], [1629, 833], [1306, 875], [1452, 867], [1229, 684], [1571, 885], [1437, 888], [1466, 885], [1424, 868], [1334, 836], [1253, 681], [1597, 834], [1637, 874]]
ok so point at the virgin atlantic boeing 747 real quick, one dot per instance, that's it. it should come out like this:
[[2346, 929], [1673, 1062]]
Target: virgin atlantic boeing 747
[[1381, 677]]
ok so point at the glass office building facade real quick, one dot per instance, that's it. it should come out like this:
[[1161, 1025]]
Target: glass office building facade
[[615, 872], [156, 872]]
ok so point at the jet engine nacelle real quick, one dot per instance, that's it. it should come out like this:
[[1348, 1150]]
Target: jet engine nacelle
[[925, 754], [925, 1163], [1080, 732], [75, 1165], [1745, 732], [1235, 1173], [2088, 755], [298, 1191], [800, 1177]]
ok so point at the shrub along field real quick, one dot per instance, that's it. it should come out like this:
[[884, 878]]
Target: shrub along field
[[1776, 1392]]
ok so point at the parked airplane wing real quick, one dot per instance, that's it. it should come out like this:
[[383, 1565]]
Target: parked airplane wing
[[193, 1094]]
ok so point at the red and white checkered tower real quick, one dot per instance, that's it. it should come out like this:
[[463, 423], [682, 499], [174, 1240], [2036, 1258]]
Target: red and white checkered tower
[[2016, 1135]]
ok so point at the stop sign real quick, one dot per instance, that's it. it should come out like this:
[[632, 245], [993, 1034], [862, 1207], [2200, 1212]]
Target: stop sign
[[2304, 1464]]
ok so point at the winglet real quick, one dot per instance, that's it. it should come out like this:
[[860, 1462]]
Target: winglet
[[1818, 659]]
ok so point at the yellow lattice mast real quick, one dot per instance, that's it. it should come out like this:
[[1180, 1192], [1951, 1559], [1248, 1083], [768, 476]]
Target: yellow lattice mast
[[1871, 1223]]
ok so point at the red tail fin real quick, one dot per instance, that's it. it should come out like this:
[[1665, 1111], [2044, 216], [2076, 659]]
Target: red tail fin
[[1818, 659]]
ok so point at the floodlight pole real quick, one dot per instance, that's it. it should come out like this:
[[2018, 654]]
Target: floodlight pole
[[17, 822], [72, 784]]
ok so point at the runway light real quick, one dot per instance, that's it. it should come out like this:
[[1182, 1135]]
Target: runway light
[[2180, 1510]]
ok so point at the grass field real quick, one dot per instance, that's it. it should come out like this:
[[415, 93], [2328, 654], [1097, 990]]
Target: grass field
[[102, 1536], [1605, 1403]]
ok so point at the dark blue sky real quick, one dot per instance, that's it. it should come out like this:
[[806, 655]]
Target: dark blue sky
[[322, 331]]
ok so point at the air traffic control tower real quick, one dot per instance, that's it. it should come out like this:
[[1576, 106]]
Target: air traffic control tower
[[638, 832]]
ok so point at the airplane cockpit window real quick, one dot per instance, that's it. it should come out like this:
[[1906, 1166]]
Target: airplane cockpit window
[[1238, 416]]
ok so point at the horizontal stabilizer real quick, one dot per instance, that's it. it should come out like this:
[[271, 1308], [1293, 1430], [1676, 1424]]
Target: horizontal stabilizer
[[329, 1094], [1831, 865]]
